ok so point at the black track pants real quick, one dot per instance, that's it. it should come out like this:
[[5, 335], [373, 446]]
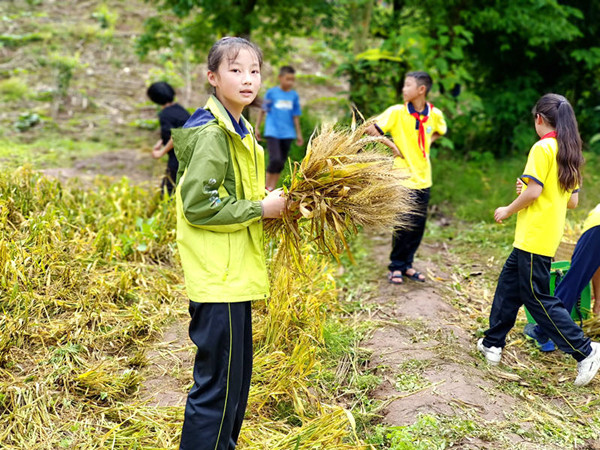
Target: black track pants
[[525, 280], [216, 404]]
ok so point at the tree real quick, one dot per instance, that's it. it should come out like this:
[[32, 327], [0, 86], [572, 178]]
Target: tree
[[504, 54], [268, 22]]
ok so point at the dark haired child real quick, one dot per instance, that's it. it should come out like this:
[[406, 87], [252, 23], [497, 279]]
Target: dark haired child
[[552, 176], [172, 115], [282, 125], [220, 206], [414, 126], [585, 266]]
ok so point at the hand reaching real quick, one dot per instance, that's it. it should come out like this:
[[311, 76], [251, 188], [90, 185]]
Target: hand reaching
[[501, 214], [273, 204], [157, 153]]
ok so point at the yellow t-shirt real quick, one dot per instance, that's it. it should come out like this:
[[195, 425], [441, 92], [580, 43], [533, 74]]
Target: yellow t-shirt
[[540, 226], [593, 219], [405, 134]]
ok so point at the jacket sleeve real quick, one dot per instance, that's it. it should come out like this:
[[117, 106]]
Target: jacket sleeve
[[206, 203]]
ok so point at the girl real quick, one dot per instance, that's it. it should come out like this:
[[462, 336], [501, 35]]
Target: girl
[[220, 237], [552, 176]]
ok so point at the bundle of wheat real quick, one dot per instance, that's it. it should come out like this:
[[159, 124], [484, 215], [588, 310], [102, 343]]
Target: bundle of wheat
[[344, 182]]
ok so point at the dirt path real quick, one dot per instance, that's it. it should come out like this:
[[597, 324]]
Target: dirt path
[[427, 361], [167, 375], [136, 165]]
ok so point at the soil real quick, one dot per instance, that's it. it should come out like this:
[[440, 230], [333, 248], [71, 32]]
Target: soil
[[167, 375], [136, 165], [420, 334]]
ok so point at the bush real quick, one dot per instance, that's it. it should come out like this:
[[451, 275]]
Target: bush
[[26, 121], [13, 89]]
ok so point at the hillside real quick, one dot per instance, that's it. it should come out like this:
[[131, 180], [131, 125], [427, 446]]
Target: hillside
[[78, 72]]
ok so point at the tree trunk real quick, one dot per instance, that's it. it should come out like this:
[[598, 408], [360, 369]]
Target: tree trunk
[[362, 12]]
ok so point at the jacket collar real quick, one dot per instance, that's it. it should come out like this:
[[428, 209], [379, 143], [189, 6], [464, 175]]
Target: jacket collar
[[225, 119]]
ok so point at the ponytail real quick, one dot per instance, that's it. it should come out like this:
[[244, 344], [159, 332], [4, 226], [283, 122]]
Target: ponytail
[[558, 113]]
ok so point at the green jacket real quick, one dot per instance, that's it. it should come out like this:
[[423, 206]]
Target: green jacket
[[219, 228]]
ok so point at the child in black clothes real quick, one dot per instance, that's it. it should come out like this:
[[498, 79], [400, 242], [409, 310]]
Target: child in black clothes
[[172, 115]]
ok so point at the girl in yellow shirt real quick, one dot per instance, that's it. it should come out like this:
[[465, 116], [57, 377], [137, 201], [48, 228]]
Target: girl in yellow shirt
[[551, 179]]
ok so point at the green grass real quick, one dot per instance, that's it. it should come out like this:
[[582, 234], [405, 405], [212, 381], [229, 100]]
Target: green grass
[[432, 432], [48, 152], [472, 190], [13, 89]]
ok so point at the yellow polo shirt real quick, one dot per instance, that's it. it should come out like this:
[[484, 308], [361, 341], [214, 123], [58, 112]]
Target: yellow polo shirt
[[593, 219], [540, 226], [397, 121]]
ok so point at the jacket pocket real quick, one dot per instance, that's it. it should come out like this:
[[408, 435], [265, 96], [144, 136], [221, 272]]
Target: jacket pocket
[[228, 254], [213, 255]]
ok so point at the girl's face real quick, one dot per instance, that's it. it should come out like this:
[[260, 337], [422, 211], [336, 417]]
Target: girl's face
[[237, 82]]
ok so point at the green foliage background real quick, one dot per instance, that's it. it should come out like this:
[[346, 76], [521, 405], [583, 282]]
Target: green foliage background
[[502, 55]]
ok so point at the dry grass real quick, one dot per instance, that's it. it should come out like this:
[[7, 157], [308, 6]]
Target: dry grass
[[87, 280], [344, 182]]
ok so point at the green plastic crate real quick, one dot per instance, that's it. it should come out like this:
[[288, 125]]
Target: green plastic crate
[[562, 267]]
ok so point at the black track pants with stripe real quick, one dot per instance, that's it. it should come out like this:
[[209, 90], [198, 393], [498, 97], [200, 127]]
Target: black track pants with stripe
[[525, 280], [216, 404], [584, 264]]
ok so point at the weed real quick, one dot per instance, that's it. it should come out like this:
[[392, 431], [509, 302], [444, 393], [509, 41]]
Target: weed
[[26, 121], [13, 89], [431, 432]]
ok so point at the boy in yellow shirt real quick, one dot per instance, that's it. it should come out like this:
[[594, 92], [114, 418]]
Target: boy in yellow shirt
[[414, 126]]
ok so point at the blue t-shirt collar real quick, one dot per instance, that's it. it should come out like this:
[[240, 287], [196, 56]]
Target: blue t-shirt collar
[[239, 127], [411, 109]]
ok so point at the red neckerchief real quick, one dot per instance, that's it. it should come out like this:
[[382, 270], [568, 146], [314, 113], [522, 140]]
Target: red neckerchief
[[421, 122], [552, 134]]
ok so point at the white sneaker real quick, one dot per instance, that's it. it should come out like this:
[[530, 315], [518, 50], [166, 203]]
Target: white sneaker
[[587, 369], [492, 354]]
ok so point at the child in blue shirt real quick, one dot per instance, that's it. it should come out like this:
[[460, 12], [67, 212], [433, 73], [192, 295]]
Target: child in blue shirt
[[282, 108]]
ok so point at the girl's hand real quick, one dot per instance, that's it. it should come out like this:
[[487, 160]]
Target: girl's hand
[[299, 141], [501, 214], [519, 186], [273, 204]]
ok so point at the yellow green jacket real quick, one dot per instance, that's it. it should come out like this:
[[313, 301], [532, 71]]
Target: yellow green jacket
[[219, 228]]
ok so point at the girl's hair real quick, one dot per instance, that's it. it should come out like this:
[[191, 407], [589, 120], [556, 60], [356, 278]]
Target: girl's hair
[[558, 113], [229, 47]]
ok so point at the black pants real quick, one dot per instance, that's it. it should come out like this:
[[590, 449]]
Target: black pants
[[584, 264], [405, 242], [525, 280], [168, 181], [278, 153], [216, 404]]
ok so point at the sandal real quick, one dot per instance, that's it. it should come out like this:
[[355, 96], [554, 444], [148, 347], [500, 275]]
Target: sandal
[[416, 276], [395, 277]]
